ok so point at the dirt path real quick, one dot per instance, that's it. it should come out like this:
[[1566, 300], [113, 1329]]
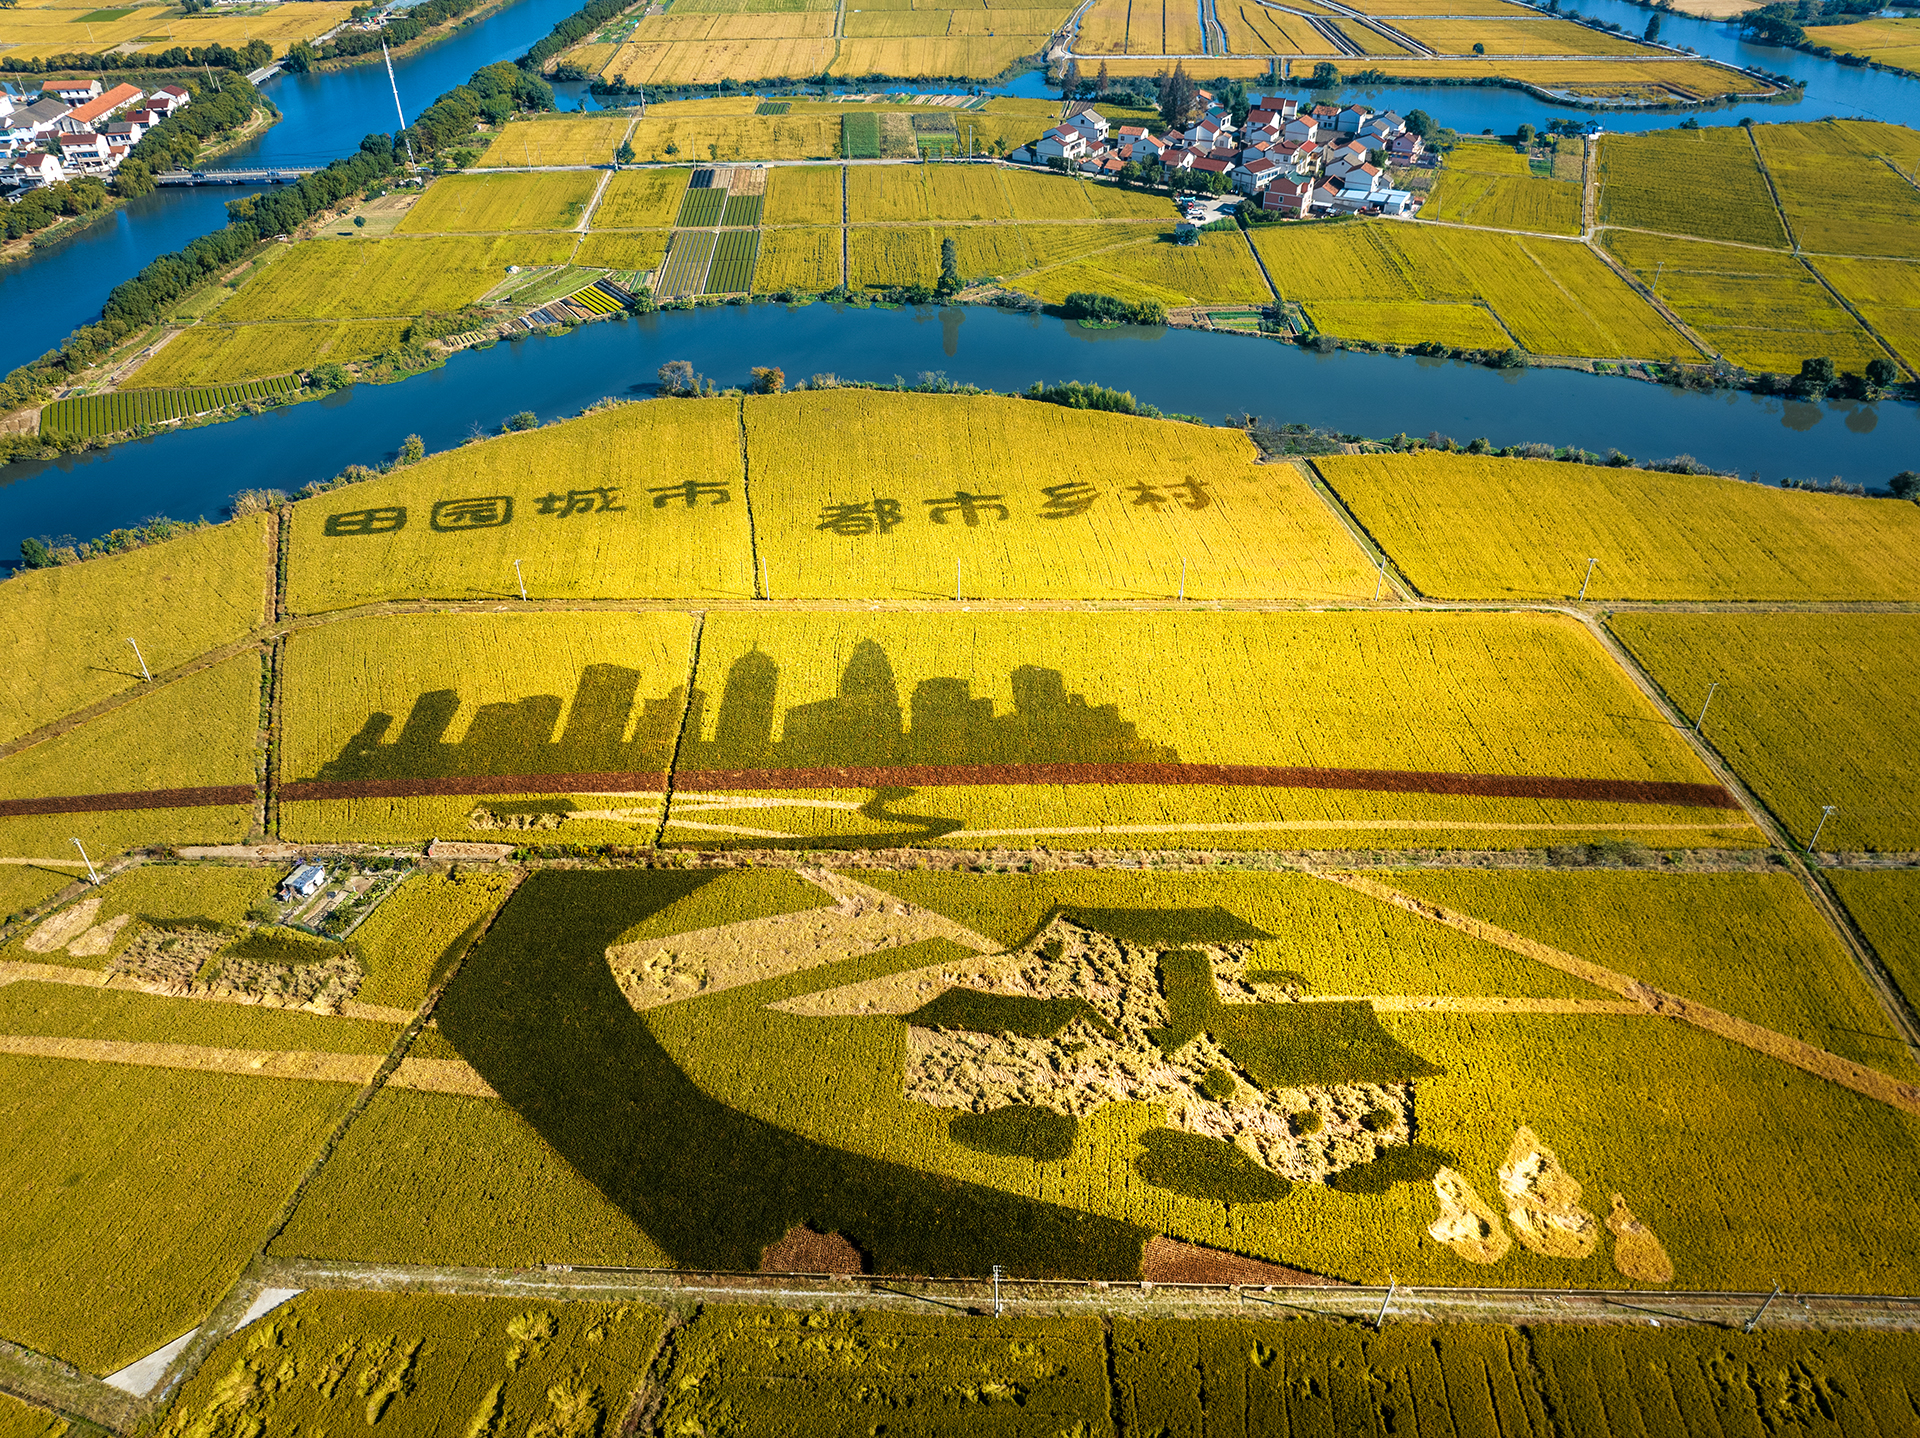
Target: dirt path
[[1816, 1061]]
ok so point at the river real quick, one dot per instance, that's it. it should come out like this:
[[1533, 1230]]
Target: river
[[192, 473]]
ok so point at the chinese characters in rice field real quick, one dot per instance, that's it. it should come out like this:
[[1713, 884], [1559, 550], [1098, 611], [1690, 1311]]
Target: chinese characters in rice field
[[878, 516]]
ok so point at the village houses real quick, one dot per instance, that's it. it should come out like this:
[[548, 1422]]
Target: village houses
[[74, 127], [1294, 161]]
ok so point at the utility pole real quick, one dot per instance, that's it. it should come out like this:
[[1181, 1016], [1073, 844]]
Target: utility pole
[[996, 1292], [1380, 1318], [148, 673], [92, 874], [395, 84], [1827, 811], [1763, 1308], [1589, 579], [1183, 578], [1703, 708], [520, 578]]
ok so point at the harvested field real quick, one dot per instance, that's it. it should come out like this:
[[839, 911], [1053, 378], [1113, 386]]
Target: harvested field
[[858, 514], [182, 598], [628, 523], [205, 895], [1461, 526], [987, 771], [1783, 677], [469, 203]]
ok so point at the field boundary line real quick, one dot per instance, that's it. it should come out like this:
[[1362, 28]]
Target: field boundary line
[[1659, 306], [55, 1385], [1246, 237], [1847, 305], [1892, 1001], [1760, 162], [1403, 586], [1589, 187], [225, 1316], [680, 734], [1810, 1059], [593, 204]]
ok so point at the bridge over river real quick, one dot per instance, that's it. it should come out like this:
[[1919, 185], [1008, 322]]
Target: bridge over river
[[280, 176]]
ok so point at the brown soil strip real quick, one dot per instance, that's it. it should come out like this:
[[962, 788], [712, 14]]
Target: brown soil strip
[[1816, 1061], [440, 1076], [207, 797], [250, 1063], [1168, 1260], [917, 776]]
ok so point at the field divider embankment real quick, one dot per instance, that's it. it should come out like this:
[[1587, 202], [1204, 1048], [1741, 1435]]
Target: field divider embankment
[[1403, 587], [1032, 1297], [680, 734], [1804, 1056], [1893, 1001], [23, 971], [229, 1313], [1660, 306], [54, 1384]]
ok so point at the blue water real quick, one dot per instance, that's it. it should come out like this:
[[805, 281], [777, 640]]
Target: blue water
[[54, 291], [192, 473]]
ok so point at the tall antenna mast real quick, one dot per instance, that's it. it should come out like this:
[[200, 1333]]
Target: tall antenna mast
[[396, 102]]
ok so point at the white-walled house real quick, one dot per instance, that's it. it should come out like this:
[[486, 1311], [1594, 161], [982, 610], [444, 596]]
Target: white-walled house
[[1253, 176], [1349, 120], [1301, 128], [1090, 124], [39, 167], [1061, 143], [71, 92], [1289, 197], [169, 98]]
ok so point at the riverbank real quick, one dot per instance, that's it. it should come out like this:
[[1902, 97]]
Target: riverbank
[[408, 49]]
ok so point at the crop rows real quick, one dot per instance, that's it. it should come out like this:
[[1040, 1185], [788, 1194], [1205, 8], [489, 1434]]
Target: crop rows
[[860, 136], [702, 207], [115, 413], [742, 211], [1689, 182], [686, 270], [733, 256]]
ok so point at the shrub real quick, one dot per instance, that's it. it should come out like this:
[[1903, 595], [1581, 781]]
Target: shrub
[[1307, 1121]]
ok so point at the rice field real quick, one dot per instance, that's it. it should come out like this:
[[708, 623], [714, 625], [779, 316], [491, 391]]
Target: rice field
[[1511, 36], [138, 746], [1887, 293], [1704, 183], [1218, 270], [803, 195], [687, 261], [640, 199], [210, 354], [68, 626], [1470, 526], [1811, 710], [649, 534], [1894, 42], [1885, 904], [706, 130], [1553, 297], [1492, 185], [856, 476], [1486, 695], [209, 1159], [1881, 214], [1763, 310], [100, 414], [733, 261], [458, 204], [1660, 81], [570, 139], [387, 278], [1390, 322], [807, 260], [635, 250]]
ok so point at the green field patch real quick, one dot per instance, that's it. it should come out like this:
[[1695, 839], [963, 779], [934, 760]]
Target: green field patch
[[860, 136], [733, 258], [702, 205], [99, 414], [741, 211]]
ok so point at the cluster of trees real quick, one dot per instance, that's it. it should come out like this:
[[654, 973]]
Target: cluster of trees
[[42, 207], [1106, 309], [1783, 22], [408, 25], [180, 57], [173, 143], [1075, 395], [46, 553], [576, 27], [493, 94], [137, 302], [1820, 377]]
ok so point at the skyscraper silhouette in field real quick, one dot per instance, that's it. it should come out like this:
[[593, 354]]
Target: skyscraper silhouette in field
[[864, 725]]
